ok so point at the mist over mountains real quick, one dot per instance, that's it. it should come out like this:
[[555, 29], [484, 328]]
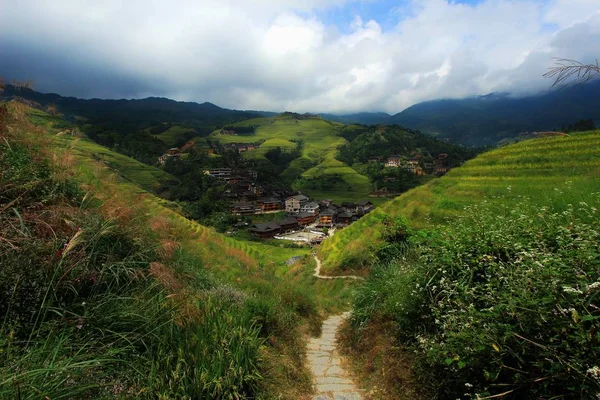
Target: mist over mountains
[[480, 120], [489, 119]]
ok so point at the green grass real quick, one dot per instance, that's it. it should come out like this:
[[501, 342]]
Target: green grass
[[317, 163], [173, 135], [133, 171], [179, 309], [533, 169]]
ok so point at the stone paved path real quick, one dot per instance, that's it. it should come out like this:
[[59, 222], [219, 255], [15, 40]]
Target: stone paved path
[[331, 381]]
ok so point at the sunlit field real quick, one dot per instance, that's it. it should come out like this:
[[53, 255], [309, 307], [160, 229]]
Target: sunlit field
[[537, 169]]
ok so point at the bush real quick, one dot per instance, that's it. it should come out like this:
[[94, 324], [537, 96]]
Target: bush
[[502, 302]]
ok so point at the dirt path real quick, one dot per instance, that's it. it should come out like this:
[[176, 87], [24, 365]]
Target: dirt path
[[318, 272], [331, 380]]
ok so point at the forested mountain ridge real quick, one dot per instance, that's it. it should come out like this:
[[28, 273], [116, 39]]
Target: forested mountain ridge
[[487, 120], [133, 126], [492, 118]]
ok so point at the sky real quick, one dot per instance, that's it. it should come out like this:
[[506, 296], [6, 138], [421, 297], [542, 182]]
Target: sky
[[337, 56]]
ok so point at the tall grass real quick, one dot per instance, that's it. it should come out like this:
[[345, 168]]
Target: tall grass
[[104, 293], [535, 169], [503, 304]]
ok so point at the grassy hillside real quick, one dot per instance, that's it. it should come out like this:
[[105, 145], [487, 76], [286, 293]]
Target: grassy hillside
[[116, 295], [140, 174], [316, 173], [175, 135], [498, 295], [534, 169]]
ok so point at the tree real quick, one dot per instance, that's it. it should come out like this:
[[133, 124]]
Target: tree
[[569, 72]]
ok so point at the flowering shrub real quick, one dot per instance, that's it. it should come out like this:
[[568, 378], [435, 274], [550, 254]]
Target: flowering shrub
[[505, 303]]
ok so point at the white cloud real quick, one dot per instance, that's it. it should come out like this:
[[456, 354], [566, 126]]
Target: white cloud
[[278, 55]]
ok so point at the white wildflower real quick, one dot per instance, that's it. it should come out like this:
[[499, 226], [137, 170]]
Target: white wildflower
[[568, 289], [593, 286], [468, 385], [594, 373]]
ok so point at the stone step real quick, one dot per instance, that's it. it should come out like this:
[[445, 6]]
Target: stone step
[[333, 387], [332, 380]]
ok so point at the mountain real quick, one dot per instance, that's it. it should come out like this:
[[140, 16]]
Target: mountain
[[363, 118], [304, 149], [131, 115], [141, 128], [487, 120]]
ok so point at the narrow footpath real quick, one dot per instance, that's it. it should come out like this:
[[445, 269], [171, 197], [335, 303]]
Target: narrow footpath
[[331, 380], [318, 272]]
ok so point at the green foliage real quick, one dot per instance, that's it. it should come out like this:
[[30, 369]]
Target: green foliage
[[580, 126], [98, 299], [145, 176], [500, 302], [536, 169], [176, 135], [216, 359], [384, 141], [313, 144], [220, 220]]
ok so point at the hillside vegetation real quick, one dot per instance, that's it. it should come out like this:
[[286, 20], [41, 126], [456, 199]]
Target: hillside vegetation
[[484, 283], [493, 118], [534, 169], [104, 292], [141, 128], [316, 172], [490, 119]]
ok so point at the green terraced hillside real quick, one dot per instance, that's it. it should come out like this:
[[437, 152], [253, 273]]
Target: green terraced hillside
[[145, 176], [557, 170], [137, 177], [316, 172], [175, 135]]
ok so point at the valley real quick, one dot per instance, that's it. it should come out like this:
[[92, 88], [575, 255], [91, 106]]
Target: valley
[[197, 239], [300, 200]]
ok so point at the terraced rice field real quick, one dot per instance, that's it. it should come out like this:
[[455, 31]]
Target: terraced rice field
[[317, 163], [221, 251], [554, 170], [133, 171], [172, 135]]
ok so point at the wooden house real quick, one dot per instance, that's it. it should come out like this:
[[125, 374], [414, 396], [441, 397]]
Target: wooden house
[[327, 217], [269, 204], [265, 230], [305, 218]]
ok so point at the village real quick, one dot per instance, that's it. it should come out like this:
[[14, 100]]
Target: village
[[306, 220], [310, 221]]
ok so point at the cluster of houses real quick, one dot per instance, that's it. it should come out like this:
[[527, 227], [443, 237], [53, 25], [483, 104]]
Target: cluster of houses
[[303, 212], [175, 152], [416, 165], [241, 147]]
